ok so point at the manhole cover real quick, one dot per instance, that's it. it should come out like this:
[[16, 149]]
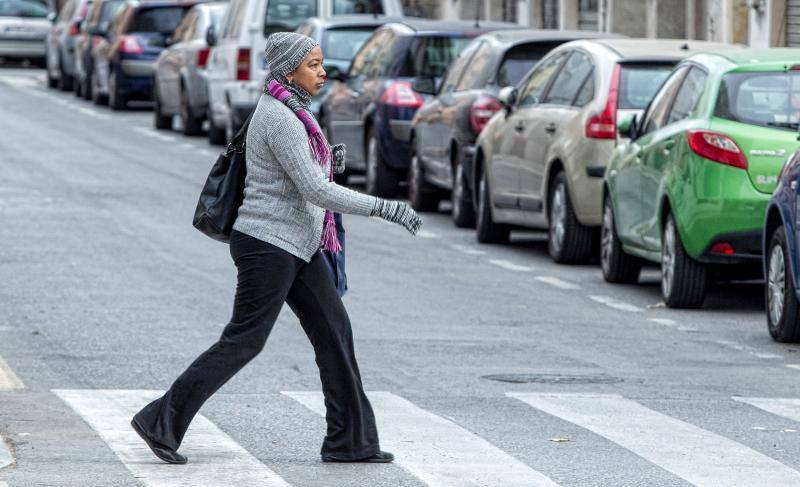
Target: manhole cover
[[553, 379]]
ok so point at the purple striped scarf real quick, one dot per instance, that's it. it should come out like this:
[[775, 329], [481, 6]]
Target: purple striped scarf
[[321, 151]]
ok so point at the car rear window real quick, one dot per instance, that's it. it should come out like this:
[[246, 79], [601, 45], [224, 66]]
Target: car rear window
[[22, 8], [519, 60], [431, 55], [108, 9], [286, 15], [345, 42], [163, 19], [639, 82], [357, 7], [766, 99]]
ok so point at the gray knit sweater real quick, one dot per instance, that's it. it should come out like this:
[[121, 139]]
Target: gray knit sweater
[[286, 191]]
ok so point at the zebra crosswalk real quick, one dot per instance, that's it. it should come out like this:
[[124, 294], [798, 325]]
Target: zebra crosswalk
[[435, 450]]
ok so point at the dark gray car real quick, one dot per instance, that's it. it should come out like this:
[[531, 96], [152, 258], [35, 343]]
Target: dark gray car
[[446, 126]]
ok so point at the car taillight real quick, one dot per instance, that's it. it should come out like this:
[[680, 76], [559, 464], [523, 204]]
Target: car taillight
[[717, 147], [202, 57], [400, 94], [483, 108], [243, 65], [73, 28], [603, 125], [129, 45]]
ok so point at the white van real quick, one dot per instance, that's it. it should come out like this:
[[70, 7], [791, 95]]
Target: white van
[[236, 65]]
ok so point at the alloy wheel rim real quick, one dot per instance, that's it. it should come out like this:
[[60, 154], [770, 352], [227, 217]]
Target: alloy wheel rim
[[458, 189], [372, 153], [776, 283], [668, 259], [481, 200], [558, 213], [413, 187], [606, 239]]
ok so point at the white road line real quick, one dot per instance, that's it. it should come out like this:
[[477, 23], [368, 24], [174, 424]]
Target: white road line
[[8, 379], [671, 324], [467, 250], [785, 407], [510, 265], [556, 282], [748, 349], [698, 456], [92, 113], [427, 234], [793, 366], [214, 458], [154, 134], [613, 303], [437, 451], [188, 146], [6, 458], [20, 81]]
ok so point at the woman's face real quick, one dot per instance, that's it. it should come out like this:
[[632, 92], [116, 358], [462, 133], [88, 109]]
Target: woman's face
[[309, 75]]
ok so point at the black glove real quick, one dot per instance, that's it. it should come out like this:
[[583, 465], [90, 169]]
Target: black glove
[[338, 156], [398, 212]]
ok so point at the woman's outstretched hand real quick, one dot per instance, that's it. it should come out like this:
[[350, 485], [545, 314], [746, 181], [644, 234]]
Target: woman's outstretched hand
[[339, 155], [398, 212]]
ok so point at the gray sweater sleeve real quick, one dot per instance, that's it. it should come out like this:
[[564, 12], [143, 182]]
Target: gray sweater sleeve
[[288, 141]]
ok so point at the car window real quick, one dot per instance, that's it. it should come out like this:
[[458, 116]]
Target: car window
[[119, 18], [368, 52], [379, 65], [233, 14], [688, 95], [456, 70], [657, 111], [163, 19], [67, 10], [533, 87], [639, 82], [765, 99], [478, 70], [431, 55], [286, 15], [518, 60], [569, 79], [184, 27], [22, 8], [357, 7], [344, 43], [586, 93]]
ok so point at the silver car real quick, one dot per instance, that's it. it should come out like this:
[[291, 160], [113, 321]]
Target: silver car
[[61, 41], [541, 159], [180, 70], [23, 27]]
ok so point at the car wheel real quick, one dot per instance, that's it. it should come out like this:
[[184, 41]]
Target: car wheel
[[783, 311], [115, 99], [51, 82], [65, 81], [487, 230], [570, 242], [420, 195], [381, 180], [97, 97], [77, 87], [191, 125], [160, 121], [618, 267], [683, 279], [463, 210]]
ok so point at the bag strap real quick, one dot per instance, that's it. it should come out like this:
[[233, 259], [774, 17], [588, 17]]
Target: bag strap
[[238, 140]]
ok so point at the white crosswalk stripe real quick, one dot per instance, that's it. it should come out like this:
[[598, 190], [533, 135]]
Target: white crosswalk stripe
[[696, 455], [437, 451], [6, 458], [214, 458], [785, 407], [8, 379]]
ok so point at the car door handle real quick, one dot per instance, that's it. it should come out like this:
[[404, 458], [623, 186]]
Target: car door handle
[[519, 126], [550, 128], [668, 145]]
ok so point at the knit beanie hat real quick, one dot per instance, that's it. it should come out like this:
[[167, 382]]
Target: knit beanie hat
[[285, 51]]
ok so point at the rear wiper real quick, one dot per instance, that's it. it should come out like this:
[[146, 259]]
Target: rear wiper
[[784, 125]]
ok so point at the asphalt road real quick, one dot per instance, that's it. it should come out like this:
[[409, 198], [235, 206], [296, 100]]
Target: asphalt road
[[107, 293]]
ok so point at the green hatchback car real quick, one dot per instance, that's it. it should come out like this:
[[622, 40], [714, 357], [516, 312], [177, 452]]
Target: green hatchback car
[[690, 187]]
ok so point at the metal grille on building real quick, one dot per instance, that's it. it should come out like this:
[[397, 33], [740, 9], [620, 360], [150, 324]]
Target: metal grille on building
[[550, 14], [588, 15], [793, 23]]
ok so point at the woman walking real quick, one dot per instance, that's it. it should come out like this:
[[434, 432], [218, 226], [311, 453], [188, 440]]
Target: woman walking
[[285, 218]]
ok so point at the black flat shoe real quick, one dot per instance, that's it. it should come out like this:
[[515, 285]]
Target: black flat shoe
[[380, 457], [163, 453]]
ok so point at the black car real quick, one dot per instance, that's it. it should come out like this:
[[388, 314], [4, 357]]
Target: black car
[[371, 109], [445, 128]]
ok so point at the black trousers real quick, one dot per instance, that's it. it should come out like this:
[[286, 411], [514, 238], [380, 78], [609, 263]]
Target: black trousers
[[268, 276]]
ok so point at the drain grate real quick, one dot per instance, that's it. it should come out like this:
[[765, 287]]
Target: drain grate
[[553, 379]]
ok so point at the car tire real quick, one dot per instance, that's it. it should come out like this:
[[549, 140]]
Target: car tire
[[116, 100], [51, 82], [160, 121], [381, 179], [216, 135], [569, 241], [421, 196], [487, 231], [683, 280], [77, 87], [618, 267], [97, 97], [65, 81], [191, 125], [463, 210], [783, 310]]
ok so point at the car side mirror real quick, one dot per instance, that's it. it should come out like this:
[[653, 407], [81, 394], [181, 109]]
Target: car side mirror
[[425, 85], [52, 16], [335, 73], [627, 126], [211, 36], [508, 97]]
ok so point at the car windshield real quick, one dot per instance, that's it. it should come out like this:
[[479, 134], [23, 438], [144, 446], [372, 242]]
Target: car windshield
[[430, 56], [345, 42], [766, 99], [357, 7], [639, 82], [519, 60], [22, 8], [163, 19], [286, 15]]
